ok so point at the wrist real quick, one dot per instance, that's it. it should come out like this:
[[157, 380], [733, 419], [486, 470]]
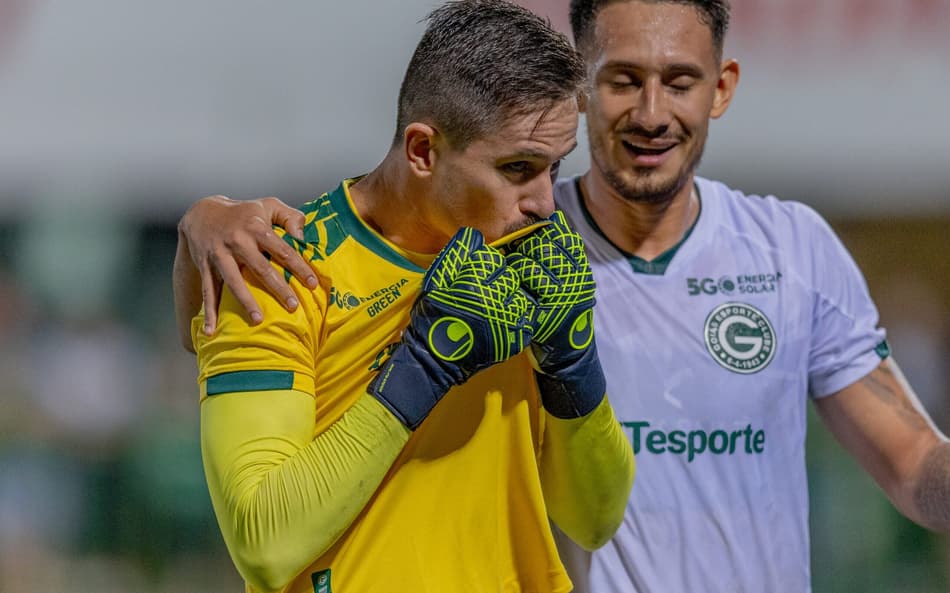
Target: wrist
[[574, 389], [407, 386]]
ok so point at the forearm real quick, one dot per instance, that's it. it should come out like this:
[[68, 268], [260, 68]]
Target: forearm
[[931, 490], [880, 421], [283, 500], [587, 470], [186, 285]]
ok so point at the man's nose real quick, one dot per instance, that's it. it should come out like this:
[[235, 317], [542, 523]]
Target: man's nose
[[651, 113]]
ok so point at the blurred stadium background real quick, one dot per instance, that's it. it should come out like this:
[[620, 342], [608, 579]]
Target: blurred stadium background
[[115, 115]]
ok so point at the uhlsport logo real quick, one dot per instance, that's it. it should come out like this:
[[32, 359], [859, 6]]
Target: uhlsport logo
[[740, 337], [450, 338], [582, 331]]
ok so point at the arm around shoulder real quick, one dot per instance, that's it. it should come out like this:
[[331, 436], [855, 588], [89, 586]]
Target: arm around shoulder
[[186, 286]]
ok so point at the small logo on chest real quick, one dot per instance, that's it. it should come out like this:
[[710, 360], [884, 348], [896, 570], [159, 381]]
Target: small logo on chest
[[377, 302], [736, 284], [740, 337]]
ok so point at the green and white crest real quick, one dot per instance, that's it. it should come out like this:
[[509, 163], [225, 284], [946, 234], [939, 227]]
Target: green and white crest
[[740, 337]]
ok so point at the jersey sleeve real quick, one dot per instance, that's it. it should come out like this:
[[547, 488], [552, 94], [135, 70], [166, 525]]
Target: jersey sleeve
[[587, 470], [278, 353], [846, 342], [282, 492], [283, 496]]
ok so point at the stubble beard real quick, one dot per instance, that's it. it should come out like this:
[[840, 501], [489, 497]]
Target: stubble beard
[[649, 187], [527, 221]]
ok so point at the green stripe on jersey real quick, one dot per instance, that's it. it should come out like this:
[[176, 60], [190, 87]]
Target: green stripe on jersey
[[238, 381]]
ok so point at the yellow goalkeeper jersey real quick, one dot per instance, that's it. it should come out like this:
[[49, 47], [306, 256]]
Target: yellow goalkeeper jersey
[[461, 509]]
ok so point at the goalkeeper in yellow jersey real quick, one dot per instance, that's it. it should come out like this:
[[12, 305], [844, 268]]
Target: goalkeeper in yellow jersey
[[436, 401]]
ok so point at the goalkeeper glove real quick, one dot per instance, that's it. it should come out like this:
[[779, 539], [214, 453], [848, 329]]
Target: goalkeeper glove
[[470, 315], [556, 274]]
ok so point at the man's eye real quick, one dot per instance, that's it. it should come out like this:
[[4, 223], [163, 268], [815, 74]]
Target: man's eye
[[517, 167], [555, 167], [681, 83], [620, 82]]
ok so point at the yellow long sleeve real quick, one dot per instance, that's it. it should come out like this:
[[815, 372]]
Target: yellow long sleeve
[[282, 497], [587, 470]]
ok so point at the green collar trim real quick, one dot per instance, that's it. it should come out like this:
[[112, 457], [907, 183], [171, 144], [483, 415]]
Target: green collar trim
[[656, 266], [355, 227]]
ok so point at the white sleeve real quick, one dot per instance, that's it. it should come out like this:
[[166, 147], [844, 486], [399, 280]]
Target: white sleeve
[[846, 342]]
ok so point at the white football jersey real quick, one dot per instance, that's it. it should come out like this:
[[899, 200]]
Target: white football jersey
[[711, 352]]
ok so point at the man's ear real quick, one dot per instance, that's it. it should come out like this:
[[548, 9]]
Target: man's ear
[[725, 88], [420, 142]]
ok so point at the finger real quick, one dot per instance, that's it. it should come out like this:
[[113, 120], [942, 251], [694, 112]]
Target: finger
[[290, 219], [231, 275], [560, 255], [210, 296], [536, 280], [488, 265], [445, 268], [289, 258], [559, 219], [558, 231], [523, 326], [271, 279]]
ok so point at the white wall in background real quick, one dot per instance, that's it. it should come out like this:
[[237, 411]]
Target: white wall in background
[[187, 97]]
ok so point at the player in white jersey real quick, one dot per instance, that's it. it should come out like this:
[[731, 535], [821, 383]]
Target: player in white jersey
[[711, 352], [721, 316]]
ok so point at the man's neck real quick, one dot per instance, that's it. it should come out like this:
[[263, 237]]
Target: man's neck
[[637, 228], [389, 202]]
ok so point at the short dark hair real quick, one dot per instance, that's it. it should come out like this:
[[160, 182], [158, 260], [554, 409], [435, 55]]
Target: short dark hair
[[481, 62], [713, 13]]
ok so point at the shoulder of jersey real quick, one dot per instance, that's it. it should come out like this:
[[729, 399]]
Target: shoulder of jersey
[[323, 232], [760, 216]]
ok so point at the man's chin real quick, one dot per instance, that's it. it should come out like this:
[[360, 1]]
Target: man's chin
[[647, 188]]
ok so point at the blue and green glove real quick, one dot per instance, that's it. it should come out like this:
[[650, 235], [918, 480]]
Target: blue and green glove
[[470, 315], [556, 275]]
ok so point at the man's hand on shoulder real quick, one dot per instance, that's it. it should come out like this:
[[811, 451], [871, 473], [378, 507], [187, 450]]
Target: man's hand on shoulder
[[223, 235]]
